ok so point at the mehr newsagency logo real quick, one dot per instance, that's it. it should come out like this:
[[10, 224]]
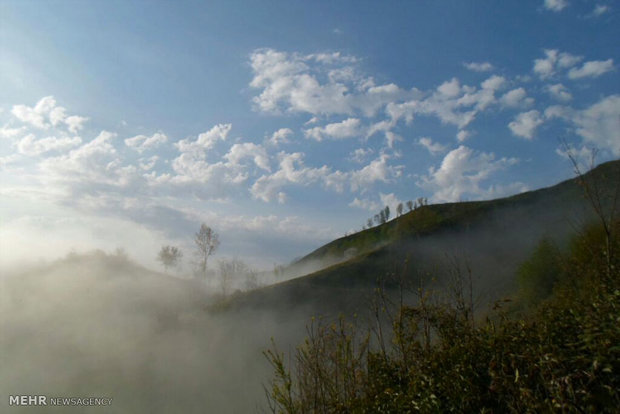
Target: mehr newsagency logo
[[44, 400]]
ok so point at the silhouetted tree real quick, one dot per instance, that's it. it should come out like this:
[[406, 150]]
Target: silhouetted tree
[[387, 213], [207, 241], [378, 219], [399, 209], [410, 205], [369, 223], [169, 256]]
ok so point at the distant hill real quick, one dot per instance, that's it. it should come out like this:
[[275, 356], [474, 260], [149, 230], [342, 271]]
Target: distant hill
[[490, 237]]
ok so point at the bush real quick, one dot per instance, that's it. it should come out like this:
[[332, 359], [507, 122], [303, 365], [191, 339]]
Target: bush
[[563, 357]]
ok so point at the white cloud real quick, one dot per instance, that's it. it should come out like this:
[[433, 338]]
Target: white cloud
[[248, 150], [10, 133], [592, 69], [206, 140], [75, 122], [599, 124], [365, 204], [31, 146], [46, 114], [462, 173], [433, 147], [516, 98], [451, 102], [142, 143], [292, 171], [559, 92], [479, 67], [391, 201], [340, 130], [462, 135], [318, 84], [360, 154], [555, 5], [281, 136], [525, 124], [554, 59]]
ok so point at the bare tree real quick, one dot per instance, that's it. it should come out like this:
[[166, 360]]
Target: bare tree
[[410, 205], [604, 202], [207, 241], [169, 256], [230, 270], [399, 209]]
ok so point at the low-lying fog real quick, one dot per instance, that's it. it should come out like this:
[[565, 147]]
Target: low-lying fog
[[97, 325]]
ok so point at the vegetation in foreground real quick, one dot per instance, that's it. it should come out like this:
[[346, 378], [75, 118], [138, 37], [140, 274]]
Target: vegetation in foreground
[[556, 350]]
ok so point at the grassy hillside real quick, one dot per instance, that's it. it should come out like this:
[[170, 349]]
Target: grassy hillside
[[490, 237]]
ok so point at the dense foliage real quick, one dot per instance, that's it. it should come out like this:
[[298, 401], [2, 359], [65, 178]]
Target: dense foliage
[[563, 355]]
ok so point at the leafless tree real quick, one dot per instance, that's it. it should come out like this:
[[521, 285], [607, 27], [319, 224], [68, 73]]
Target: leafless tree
[[399, 209], [169, 256], [207, 241]]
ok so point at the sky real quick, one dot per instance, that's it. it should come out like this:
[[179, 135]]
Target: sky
[[286, 124]]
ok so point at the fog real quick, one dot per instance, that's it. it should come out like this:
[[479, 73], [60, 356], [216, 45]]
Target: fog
[[97, 325]]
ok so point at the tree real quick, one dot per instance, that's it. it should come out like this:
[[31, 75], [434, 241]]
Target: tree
[[382, 218], [387, 213], [378, 219], [399, 209], [207, 241], [169, 256], [229, 270], [410, 205], [369, 223]]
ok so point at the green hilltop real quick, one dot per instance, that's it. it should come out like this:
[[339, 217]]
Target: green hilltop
[[491, 238]]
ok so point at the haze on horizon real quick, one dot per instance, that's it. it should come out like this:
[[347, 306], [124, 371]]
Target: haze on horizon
[[285, 125]]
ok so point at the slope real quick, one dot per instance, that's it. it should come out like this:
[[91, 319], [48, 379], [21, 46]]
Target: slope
[[488, 238]]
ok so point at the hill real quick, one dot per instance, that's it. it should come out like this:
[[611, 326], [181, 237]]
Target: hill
[[490, 238]]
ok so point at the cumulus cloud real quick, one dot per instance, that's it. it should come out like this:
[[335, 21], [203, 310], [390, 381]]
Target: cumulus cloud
[[292, 171], [142, 143], [340, 130], [462, 135], [516, 98], [592, 69], [479, 67], [451, 102], [281, 136], [559, 92], [554, 59], [462, 173], [46, 114], [555, 5], [525, 124], [365, 204], [206, 140], [10, 133], [31, 146], [359, 155], [433, 147], [599, 124], [326, 84], [248, 150]]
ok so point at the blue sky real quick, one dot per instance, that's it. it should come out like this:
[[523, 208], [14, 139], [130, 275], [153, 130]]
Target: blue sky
[[285, 124]]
